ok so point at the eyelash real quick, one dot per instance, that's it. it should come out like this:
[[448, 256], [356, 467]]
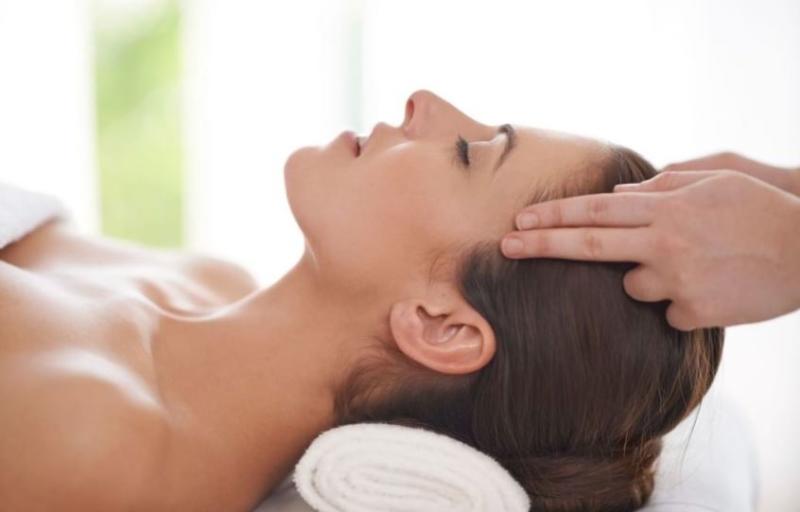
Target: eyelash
[[462, 150]]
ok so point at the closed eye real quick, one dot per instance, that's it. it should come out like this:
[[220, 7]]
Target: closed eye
[[462, 151]]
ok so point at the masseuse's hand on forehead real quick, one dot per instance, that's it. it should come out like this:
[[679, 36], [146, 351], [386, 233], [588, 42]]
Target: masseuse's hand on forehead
[[712, 242]]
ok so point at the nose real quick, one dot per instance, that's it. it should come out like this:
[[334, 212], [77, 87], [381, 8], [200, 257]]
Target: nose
[[428, 115]]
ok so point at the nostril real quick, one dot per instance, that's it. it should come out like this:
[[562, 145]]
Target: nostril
[[409, 112]]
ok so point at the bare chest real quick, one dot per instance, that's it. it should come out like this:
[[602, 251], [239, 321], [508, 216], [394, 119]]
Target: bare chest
[[80, 315], [59, 290]]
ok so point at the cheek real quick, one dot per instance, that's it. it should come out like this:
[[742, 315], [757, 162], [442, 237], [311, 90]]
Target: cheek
[[410, 202], [394, 216], [376, 218]]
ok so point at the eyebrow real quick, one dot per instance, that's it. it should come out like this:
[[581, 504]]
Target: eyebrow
[[511, 142]]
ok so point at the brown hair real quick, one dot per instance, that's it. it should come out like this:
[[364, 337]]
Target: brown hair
[[584, 382]]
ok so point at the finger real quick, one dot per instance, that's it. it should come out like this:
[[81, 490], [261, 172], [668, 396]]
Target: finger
[[606, 209], [666, 181], [714, 161], [589, 244], [680, 318], [644, 284]]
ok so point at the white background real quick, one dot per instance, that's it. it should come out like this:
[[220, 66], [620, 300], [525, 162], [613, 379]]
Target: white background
[[46, 102], [670, 79]]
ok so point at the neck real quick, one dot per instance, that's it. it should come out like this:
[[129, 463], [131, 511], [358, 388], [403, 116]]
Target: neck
[[258, 377]]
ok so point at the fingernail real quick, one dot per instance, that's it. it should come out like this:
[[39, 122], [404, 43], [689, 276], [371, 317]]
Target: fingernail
[[625, 186], [512, 245], [527, 221]]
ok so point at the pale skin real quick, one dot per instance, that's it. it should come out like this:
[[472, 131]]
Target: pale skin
[[141, 379], [718, 236]]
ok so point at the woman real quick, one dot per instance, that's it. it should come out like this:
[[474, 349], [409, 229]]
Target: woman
[[136, 379]]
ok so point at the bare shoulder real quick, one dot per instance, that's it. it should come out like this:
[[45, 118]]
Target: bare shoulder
[[58, 243], [27, 250], [84, 447]]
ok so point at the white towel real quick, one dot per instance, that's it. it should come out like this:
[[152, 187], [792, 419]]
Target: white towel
[[373, 467], [708, 465], [21, 211]]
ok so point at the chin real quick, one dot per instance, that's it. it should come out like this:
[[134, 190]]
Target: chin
[[293, 173], [300, 158], [301, 179]]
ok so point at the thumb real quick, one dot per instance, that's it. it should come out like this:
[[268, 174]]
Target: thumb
[[664, 181]]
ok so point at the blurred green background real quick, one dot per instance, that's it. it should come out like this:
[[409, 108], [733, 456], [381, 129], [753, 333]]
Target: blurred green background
[[138, 100]]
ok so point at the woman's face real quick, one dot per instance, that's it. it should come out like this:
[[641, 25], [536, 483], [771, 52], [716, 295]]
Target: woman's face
[[380, 216]]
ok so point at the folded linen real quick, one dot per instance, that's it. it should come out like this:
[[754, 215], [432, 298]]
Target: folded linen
[[368, 467], [708, 464], [21, 211]]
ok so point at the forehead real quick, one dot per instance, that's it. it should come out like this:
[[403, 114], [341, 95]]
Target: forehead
[[546, 159], [563, 149]]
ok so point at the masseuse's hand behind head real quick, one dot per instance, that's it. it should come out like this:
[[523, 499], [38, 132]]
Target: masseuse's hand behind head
[[721, 245]]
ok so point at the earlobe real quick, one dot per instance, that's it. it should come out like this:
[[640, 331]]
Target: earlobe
[[444, 334]]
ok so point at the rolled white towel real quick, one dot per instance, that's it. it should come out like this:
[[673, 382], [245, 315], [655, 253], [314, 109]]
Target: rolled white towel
[[371, 467]]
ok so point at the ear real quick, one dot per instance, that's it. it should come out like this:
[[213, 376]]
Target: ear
[[442, 331]]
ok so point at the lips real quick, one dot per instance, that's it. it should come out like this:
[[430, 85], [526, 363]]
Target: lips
[[356, 143], [350, 140]]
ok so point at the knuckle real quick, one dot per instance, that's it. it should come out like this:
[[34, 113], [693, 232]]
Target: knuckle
[[696, 312], [631, 283], [665, 179], [598, 208], [592, 245], [677, 319], [642, 284], [688, 315], [727, 158]]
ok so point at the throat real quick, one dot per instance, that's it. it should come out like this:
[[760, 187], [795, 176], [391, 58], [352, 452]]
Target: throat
[[249, 387]]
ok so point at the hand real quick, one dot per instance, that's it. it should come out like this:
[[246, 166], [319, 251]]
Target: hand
[[723, 246], [781, 177]]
